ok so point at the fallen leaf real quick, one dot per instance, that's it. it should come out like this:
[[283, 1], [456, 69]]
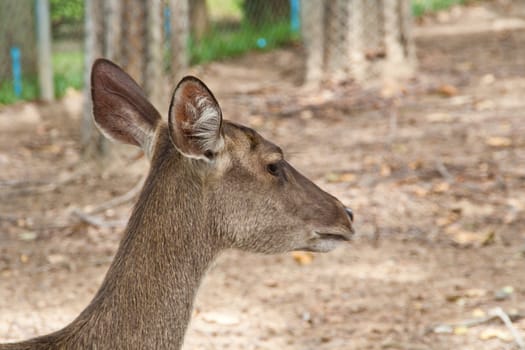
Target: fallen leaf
[[488, 79], [416, 164], [478, 313], [441, 187], [490, 238], [271, 283], [498, 141], [24, 258], [453, 297], [420, 191], [386, 170], [56, 258], [443, 329], [475, 293], [448, 90], [221, 318], [504, 293], [491, 333], [27, 236], [460, 330], [463, 237], [303, 258]]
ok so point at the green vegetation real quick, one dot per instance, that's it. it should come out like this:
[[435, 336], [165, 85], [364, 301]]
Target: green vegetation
[[29, 92], [421, 7], [66, 11], [68, 72], [231, 42], [224, 9]]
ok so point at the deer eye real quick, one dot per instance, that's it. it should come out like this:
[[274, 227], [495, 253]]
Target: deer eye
[[273, 169]]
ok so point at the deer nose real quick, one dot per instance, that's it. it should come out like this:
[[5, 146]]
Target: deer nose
[[350, 214]]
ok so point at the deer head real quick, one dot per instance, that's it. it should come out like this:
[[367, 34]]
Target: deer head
[[246, 194]]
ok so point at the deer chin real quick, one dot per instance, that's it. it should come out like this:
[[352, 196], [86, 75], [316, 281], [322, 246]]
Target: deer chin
[[323, 246]]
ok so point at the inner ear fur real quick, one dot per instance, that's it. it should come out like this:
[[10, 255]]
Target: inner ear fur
[[195, 119], [120, 107]]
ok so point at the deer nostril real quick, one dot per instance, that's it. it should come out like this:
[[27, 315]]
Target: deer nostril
[[350, 214]]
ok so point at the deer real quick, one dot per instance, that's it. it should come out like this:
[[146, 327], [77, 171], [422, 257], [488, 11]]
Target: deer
[[212, 185]]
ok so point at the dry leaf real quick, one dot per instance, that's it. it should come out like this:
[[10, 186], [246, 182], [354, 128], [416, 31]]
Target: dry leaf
[[441, 187], [475, 293], [56, 259], [447, 220], [498, 141], [504, 293], [466, 238], [420, 191], [386, 170], [443, 329], [490, 238], [24, 258], [448, 90], [221, 318], [478, 313], [416, 164], [460, 330], [27, 236], [491, 333], [303, 258]]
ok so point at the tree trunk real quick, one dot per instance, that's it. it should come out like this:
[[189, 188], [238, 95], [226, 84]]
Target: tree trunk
[[92, 141], [199, 19]]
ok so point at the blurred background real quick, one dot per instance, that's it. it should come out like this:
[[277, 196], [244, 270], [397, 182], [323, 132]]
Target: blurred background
[[409, 111]]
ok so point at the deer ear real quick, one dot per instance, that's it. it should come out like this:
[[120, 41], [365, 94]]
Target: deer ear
[[195, 120], [120, 108]]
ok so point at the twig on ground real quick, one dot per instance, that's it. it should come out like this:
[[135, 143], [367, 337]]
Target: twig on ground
[[498, 312], [88, 217], [114, 202], [97, 221], [443, 171], [38, 187]]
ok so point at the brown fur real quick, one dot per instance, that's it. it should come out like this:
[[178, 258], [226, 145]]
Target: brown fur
[[189, 210]]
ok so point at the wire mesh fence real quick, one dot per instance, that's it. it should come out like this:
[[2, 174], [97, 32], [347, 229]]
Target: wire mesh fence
[[18, 54], [220, 29], [152, 39], [357, 39]]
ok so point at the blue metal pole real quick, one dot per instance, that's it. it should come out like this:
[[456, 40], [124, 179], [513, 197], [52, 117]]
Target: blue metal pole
[[17, 70], [295, 22]]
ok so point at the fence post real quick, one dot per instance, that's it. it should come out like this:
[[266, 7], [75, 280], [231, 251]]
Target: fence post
[[45, 66], [180, 28], [312, 30], [153, 83]]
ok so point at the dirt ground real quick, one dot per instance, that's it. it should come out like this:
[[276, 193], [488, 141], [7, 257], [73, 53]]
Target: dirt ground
[[435, 175]]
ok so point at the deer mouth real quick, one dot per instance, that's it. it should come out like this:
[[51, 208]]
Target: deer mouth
[[333, 236]]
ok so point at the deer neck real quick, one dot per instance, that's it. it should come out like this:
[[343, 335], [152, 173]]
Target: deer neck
[[147, 296]]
